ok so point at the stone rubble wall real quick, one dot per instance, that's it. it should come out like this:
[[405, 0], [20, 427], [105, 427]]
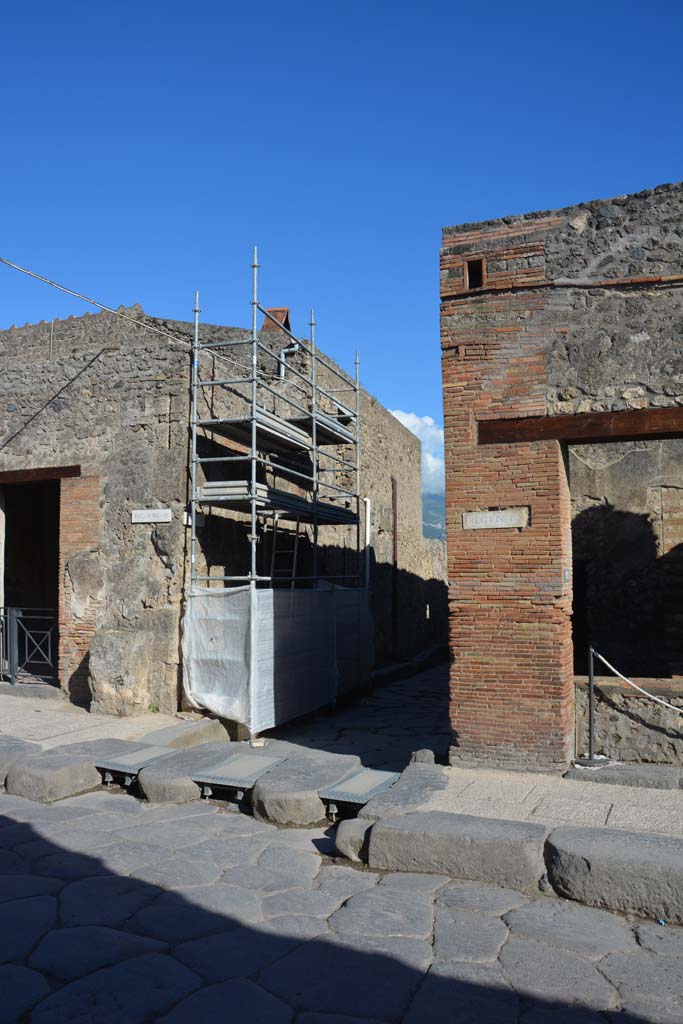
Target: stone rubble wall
[[111, 397], [632, 728]]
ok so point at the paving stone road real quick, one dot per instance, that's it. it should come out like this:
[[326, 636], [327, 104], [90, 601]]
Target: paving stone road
[[114, 911]]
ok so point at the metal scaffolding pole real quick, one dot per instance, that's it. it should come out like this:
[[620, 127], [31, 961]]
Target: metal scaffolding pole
[[193, 464], [314, 407]]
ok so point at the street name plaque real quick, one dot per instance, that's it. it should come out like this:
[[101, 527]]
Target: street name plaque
[[151, 515], [496, 519]]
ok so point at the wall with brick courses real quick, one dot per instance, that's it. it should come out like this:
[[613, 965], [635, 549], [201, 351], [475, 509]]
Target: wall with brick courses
[[555, 328]]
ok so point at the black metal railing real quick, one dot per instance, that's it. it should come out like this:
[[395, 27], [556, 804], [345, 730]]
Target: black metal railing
[[28, 642]]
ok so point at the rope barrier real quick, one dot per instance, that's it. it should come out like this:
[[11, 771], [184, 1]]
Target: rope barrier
[[635, 686]]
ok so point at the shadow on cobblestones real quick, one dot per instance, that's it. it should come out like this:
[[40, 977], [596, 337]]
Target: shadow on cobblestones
[[220, 918]]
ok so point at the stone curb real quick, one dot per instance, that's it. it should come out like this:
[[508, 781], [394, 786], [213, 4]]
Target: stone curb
[[627, 871], [505, 853], [630, 872], [188, 734]]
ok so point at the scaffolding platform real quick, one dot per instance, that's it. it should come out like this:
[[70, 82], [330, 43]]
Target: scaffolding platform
[[328, 429], [238, 495], [272, 432]]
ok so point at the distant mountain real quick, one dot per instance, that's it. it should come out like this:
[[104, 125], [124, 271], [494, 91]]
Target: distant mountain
[[434, 516]]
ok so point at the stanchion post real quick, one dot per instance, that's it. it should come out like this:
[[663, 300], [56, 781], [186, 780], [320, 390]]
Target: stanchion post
[[591, 761]]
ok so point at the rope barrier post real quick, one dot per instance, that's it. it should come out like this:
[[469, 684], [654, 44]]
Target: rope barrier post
[[591, 761]]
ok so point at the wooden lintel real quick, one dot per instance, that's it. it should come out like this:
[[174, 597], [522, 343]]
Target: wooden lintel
[[32, 476], [586, 428]]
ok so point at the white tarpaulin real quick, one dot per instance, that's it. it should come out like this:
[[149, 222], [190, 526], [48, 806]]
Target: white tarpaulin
[[308, 645]]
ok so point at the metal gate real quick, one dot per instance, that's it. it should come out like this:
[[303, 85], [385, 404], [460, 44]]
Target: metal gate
[[28, 643]]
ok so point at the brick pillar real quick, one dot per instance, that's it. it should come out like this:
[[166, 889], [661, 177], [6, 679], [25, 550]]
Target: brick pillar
[[509, 589], [79, 526]]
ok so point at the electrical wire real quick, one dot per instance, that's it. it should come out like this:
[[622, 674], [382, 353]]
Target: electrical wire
[[93, 302]]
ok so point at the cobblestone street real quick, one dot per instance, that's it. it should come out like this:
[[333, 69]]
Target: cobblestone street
[[116, 911]]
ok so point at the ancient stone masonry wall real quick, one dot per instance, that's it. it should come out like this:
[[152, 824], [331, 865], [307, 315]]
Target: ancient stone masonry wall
[[111, 398]]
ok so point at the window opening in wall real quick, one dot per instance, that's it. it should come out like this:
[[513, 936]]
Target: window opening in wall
[[475, 274]]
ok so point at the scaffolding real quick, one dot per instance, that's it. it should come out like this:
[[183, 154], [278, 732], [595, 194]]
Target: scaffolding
[[290, 443], [275, 444]]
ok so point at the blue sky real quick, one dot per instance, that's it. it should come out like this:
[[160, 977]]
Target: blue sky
[[147, 145]]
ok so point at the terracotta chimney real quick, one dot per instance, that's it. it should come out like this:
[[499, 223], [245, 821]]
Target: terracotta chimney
[[282, 317]]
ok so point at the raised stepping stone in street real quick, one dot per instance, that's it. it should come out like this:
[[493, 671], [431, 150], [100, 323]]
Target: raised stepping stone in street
[[289, 794], [355, 790], [124, 768], [414, 789], [505, 853], [60, 772], [170, 780], [632, 872], [236, 774], [11, 750]]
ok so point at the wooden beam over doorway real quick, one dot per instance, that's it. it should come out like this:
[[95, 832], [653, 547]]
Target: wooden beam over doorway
[[586, 428], [32, 476]]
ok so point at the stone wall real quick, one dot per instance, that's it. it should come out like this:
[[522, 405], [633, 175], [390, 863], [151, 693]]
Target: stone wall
[[629, 727], [570, 311], [110, 399]]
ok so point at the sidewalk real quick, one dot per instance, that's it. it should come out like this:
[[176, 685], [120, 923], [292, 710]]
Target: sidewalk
[[551, 800], [53, 723]]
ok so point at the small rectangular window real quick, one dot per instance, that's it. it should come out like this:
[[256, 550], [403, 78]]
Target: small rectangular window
[[475, 274]]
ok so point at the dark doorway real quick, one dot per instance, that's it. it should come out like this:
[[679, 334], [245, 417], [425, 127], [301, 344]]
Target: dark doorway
[[31, 573], [580, 633]]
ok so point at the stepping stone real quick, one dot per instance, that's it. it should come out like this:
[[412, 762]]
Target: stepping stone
[[11, 750], [356, 789], [124, 768], [414, 789], [170, 780], [61, 772], [289, 793], [238, 773]]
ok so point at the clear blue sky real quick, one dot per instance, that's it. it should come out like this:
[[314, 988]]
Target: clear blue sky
[[147, 145]]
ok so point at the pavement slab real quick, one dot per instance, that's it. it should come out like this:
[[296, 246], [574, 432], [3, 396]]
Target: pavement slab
[[364, 977], [386, 911], [68, 953], [467, 937], [658, 939], [21, 989], [244, 1001], [23, 923], [109, 900], [475, 993], [234, 953], [592, 933], [651, 986], [132, 991], [477, 896], [535, 970]]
